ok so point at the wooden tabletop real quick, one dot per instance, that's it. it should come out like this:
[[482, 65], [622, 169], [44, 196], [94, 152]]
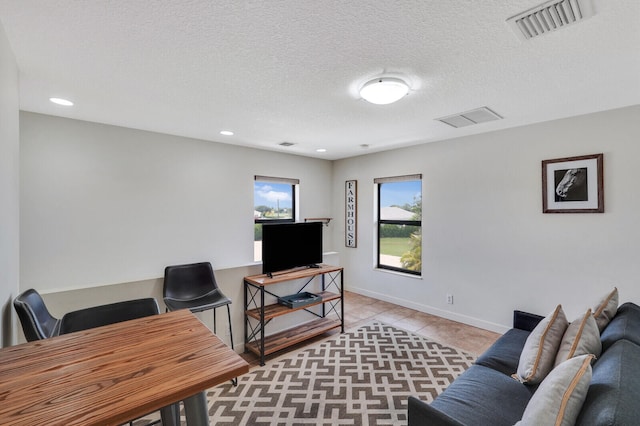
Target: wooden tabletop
[[291, 274], [112, 374]]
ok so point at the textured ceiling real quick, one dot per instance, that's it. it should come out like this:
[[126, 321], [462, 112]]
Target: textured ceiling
[[289, 70]]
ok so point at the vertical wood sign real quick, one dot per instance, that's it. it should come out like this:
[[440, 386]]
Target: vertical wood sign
[[351, 218]]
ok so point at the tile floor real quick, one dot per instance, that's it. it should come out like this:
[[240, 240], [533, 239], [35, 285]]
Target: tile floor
[[361, 309]]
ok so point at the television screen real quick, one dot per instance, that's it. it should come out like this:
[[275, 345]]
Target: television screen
[[289, 245]]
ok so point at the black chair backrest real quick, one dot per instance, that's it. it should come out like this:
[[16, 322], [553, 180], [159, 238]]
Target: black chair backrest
[[97, 316], [185, 282], [37, 322]]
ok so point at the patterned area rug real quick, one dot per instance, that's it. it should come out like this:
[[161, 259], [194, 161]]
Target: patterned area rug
[[362, 377]]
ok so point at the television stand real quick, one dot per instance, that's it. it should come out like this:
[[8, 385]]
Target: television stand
[[288, 271], [258, 314]]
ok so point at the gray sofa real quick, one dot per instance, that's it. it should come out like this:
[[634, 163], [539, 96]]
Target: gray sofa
[[486, 394]]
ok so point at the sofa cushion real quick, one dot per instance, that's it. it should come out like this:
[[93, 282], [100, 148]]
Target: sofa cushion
[[504, 354], [582, 337], [613, 394], [625, 325], [540, 349], [606, 308], [559, 397], [483, 396]]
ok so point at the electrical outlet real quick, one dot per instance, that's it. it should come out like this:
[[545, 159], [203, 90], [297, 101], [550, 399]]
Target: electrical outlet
[[450, 299]]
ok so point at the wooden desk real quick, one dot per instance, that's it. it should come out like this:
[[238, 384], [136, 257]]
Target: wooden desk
[[112, 374]]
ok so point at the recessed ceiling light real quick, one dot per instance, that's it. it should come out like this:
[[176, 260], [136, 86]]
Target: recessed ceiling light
[[60, 101], [321, 150], [384, 90], [226, 132]]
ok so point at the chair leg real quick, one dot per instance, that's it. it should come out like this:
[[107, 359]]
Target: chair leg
[[230, 330], [214, 321], [234, 381]]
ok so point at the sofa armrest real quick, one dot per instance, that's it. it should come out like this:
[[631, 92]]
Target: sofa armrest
[[421, 413], [525, 320]]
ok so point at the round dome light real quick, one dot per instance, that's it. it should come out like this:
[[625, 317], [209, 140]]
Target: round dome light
[[60, 101], [383, 91]]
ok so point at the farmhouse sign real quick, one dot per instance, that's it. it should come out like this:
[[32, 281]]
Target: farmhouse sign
[[351, 218]]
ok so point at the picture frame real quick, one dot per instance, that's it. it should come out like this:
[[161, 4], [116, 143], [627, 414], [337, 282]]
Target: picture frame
[[573, 184]]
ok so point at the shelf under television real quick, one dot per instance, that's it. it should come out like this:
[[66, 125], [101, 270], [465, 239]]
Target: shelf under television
[[286, 338], [290, 274], [276, 310]]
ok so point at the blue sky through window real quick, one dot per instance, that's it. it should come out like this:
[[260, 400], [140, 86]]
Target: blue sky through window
[[400, 193], [272, 194]]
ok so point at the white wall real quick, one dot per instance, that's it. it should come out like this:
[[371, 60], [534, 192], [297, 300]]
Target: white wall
[[103, 204], [106, 205], [9, 189], [104, 209], [485, 238]]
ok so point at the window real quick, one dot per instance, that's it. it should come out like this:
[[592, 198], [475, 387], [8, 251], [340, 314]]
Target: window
[[274, 200], [400, 223]]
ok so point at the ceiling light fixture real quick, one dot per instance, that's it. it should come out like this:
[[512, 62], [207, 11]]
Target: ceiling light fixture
[[321, 150], [384, 90], [60, 101], [226, 132]]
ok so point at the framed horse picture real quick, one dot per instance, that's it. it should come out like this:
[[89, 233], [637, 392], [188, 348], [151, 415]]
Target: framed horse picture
[[573, 185]]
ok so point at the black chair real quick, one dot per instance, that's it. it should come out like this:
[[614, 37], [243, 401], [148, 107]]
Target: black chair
[[193, 286], [97, 316], [37, 323], [113, 313]]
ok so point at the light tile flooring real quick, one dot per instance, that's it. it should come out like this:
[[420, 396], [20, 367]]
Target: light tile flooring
[[361, 309]]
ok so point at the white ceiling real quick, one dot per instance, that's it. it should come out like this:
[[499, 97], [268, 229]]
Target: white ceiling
[[290, 70]]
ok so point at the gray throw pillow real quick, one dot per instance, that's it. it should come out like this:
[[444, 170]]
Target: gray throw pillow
[[539, 353], [560, 396], [582, 337], [606, 309]]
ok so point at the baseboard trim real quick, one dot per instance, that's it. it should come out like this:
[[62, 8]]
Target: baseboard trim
[[465, 319]]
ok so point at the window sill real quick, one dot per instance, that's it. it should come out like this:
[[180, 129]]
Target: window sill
[[402, 274]]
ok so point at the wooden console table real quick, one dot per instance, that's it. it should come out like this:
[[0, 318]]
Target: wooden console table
[[112, 374], [258, 315]]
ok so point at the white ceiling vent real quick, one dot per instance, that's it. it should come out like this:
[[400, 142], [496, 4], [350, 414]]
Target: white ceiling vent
[[550, 16], [475, 116]]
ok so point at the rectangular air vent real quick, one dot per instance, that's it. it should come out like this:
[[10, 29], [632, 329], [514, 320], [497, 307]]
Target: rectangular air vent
[[475, 116], [550, 16]]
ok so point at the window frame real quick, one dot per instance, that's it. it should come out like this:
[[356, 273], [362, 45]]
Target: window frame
[[294, 204], [293, 183], [380, 222]]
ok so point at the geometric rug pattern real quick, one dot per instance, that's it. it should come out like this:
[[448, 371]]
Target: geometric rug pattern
[[362, 377]]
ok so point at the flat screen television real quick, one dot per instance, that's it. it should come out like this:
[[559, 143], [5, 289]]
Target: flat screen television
[[290, 245]]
